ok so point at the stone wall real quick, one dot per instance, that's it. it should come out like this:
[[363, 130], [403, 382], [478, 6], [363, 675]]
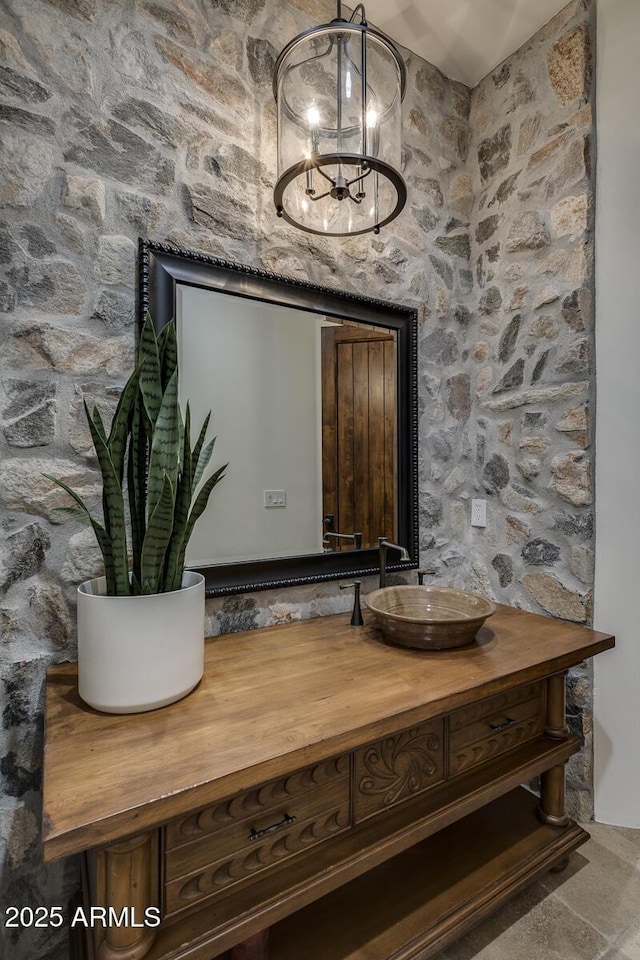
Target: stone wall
[[531, 349], [156, 118]]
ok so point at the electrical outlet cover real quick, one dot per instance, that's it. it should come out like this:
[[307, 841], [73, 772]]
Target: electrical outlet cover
[[478, 513]]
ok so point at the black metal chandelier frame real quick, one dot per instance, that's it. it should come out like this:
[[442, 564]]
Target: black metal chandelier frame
[[365, 163]]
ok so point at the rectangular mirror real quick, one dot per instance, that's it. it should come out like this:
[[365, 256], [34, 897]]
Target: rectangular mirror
[[313, 396]]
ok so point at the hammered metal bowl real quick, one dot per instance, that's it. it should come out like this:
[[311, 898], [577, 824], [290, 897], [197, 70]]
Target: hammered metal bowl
[[428, 617]]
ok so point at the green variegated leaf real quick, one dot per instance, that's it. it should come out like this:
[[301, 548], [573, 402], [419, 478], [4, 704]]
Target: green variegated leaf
[[157, 539], [121, 423], [195, 456], [180, 438], [104, 460], [136, 483], [168, 347], [203, 462], [150, 376], [114, 521], [173, 572], [96, 427], [74, 513], [97, 421], [186, 448], [106, 548], [78, 499], [199, 506], [104, 541], [165, 446]]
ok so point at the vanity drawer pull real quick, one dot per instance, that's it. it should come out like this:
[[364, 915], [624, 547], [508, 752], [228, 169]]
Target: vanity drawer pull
[[507, 722], [483, 731], [259, 834]]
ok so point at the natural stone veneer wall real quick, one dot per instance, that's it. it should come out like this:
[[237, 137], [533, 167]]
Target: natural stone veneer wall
[[531, 358], [156, 118]]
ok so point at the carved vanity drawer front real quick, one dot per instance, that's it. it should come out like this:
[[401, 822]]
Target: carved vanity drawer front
[[398, 768], [488, 728], [232, 841]]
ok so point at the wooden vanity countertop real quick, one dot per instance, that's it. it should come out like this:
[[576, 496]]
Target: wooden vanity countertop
[[271, 701]]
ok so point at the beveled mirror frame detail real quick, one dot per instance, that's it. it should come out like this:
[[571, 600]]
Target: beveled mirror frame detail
[[163, 266]]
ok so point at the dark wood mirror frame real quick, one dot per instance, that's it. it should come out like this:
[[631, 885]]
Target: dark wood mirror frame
[[162, 267]]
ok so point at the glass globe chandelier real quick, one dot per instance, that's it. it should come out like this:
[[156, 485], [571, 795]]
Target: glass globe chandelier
[[339, 89]]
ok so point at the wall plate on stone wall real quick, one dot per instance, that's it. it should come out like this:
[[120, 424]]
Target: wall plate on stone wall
[[478, 513]]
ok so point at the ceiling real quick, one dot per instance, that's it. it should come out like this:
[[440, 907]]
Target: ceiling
[[466, 39]]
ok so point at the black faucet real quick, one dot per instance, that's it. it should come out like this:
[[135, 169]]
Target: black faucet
[[356, 616], [384, 545]]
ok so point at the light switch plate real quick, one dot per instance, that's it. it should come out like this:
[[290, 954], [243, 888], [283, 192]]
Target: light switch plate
[[275, 498]]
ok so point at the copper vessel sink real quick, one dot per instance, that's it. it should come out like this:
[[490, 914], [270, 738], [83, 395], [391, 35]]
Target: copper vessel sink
[[428, 617]]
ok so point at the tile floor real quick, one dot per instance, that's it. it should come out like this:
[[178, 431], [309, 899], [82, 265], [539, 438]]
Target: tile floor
[[591, 911]]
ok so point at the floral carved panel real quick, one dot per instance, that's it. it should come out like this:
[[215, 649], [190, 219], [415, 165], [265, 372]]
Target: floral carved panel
[[398, 768]]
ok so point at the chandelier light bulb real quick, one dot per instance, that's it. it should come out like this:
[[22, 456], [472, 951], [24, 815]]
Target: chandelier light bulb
[[313, 116]]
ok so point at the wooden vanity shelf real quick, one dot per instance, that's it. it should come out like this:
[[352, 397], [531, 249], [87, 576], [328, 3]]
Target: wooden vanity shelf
[[360, 801]]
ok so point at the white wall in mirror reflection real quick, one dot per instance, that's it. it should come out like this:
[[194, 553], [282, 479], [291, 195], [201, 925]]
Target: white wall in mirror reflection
[[257, 367]]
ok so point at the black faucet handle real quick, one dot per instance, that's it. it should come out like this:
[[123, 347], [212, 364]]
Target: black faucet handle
[[356, 616]]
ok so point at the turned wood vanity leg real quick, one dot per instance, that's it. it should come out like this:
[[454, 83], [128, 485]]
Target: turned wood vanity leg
[[552, 801], [254, 948], [127, 877]]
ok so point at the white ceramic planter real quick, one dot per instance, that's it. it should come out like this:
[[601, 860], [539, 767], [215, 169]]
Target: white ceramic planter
[[139, 653]]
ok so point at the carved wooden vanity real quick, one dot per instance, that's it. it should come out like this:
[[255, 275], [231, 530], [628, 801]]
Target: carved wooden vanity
[[361, 801]]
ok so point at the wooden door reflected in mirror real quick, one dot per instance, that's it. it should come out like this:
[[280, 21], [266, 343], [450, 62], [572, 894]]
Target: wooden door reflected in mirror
[[359, 449]]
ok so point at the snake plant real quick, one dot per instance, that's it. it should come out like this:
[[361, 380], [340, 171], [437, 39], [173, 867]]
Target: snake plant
[[150, 445]]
